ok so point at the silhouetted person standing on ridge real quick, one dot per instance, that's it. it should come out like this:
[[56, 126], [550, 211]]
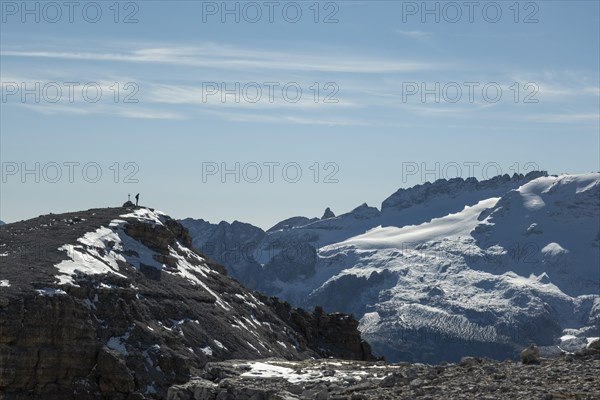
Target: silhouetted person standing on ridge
[[137, 198]]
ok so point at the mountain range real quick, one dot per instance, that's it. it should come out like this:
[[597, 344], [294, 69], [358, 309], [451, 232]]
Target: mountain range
[[441, 270]]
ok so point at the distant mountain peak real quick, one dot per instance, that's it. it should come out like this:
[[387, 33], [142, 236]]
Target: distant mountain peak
[[328, 214], [364, 211], [406, 197], [292, 222]]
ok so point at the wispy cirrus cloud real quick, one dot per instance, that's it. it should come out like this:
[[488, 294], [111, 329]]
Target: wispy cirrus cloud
[[236, 95], [290, 119], [556, 86], [287, 119], [376, 84], [565, 117], [416, 34], [226, 57], [100, 109]]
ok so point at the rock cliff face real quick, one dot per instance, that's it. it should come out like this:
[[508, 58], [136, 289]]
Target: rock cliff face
[[333, 335], [115, 304]]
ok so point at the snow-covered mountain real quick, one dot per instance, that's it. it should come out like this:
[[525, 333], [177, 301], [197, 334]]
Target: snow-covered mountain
[[445, 269]]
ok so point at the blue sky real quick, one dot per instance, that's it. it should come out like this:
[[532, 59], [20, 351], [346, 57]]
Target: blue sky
[[373, 59]]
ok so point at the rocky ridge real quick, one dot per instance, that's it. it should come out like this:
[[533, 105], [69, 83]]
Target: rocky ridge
[[115, 304]]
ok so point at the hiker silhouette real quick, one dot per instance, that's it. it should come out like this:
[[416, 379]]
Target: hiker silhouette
[[137, 198]]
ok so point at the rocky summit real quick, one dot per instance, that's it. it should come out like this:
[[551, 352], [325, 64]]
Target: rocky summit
[[115, 303]]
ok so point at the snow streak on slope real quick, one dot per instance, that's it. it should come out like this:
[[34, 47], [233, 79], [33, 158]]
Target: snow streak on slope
[[108, 249], [450, 227], [98, 253]]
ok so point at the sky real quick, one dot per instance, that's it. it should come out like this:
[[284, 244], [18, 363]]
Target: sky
[[259, 111]]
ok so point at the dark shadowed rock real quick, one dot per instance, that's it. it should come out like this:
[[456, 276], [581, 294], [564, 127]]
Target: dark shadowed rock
[[328, 214]]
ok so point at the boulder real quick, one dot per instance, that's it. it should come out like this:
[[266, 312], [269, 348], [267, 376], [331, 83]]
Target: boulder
[[530, 355]]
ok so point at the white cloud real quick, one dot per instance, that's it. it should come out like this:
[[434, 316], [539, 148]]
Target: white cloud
[[149, 114], [414, 34], [556, 85], [564, 117], [54, 109], [99, 109], [289, 119], [256, 96], [225, 57]]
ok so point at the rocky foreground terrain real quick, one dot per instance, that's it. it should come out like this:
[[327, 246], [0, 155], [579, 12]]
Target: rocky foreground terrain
[[570, 376]]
